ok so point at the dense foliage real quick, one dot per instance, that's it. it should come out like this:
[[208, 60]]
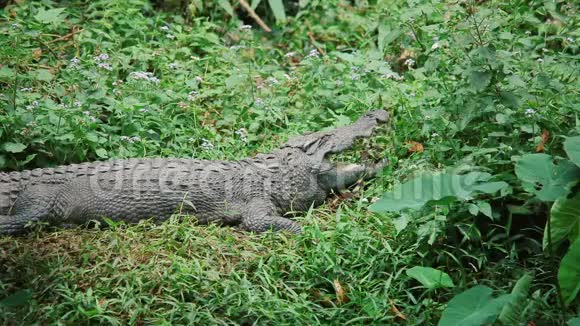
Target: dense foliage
[[483, 148]]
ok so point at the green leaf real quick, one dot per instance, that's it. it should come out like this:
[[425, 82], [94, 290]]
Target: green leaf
[[277, 9], [102, 153], [473, 307], [491, 187], [415, 193], [50, 16], [7, 73], [235, 80], [387, 35], [485, 208], [512, 312], [17, 299], [431, 278], [548, 181], [509, 99], [400, 223], [14, 147], [44, 75], [478, 80], [569, 273], [574, 322], [564, 221], [572, 148], [226, 6]]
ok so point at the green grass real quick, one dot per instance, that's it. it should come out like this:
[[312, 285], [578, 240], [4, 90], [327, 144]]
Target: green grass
[[475, 84]]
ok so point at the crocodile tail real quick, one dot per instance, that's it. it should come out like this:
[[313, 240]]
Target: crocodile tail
[[10, 224]]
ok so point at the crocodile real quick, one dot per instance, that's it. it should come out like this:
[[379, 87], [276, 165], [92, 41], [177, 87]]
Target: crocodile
[[253, 194]]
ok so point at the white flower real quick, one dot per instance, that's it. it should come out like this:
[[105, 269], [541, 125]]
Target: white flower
[[435, 46], [117, 83], [246, 27], [144, 75], [354, 77], [271, 81], [32, 105], [290, 54], [528, 32], [339, 83], [75, 61], [170, 36], [198, 79], [77, 103], [164, 28], [258, 101], [105, 66], [130, 139], [409, 62], [236, 47], [530, 113], [205, 144], [569, 40], [434, 135], [173, 65], [392, 75], [540, 60], [26, 89], [313, 54], [144, 110], [87, 113], [102, 57], [242, 134], [15, 26]]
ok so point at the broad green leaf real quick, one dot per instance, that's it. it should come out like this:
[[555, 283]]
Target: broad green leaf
[[485, 208], [17, 299], [564, 221], [400, 223], [431, 278], [478, 80], [572, 148], [473, 307], [44, 75], [512, 312], [102, 153], [6, 73], [235, 80], [491, 187], [255, 4], [50, 16], [14, 147], [387, 35], [569, 273], [548, 181], [278, 9], [415, 193], [574, 322], [226, 6], [509, 99]]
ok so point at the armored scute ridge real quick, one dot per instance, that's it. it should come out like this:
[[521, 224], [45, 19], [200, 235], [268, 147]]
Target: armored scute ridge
[[252, 194]]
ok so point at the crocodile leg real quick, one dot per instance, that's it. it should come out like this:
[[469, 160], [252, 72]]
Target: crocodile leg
[[260, 217]]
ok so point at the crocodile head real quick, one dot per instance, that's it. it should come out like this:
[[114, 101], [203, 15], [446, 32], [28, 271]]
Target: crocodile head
[[319, 145]]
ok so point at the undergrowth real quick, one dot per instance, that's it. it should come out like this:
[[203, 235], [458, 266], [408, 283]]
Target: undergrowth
[[471, 86]]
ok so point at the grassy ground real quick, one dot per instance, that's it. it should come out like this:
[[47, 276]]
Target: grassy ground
[[469, 86]]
